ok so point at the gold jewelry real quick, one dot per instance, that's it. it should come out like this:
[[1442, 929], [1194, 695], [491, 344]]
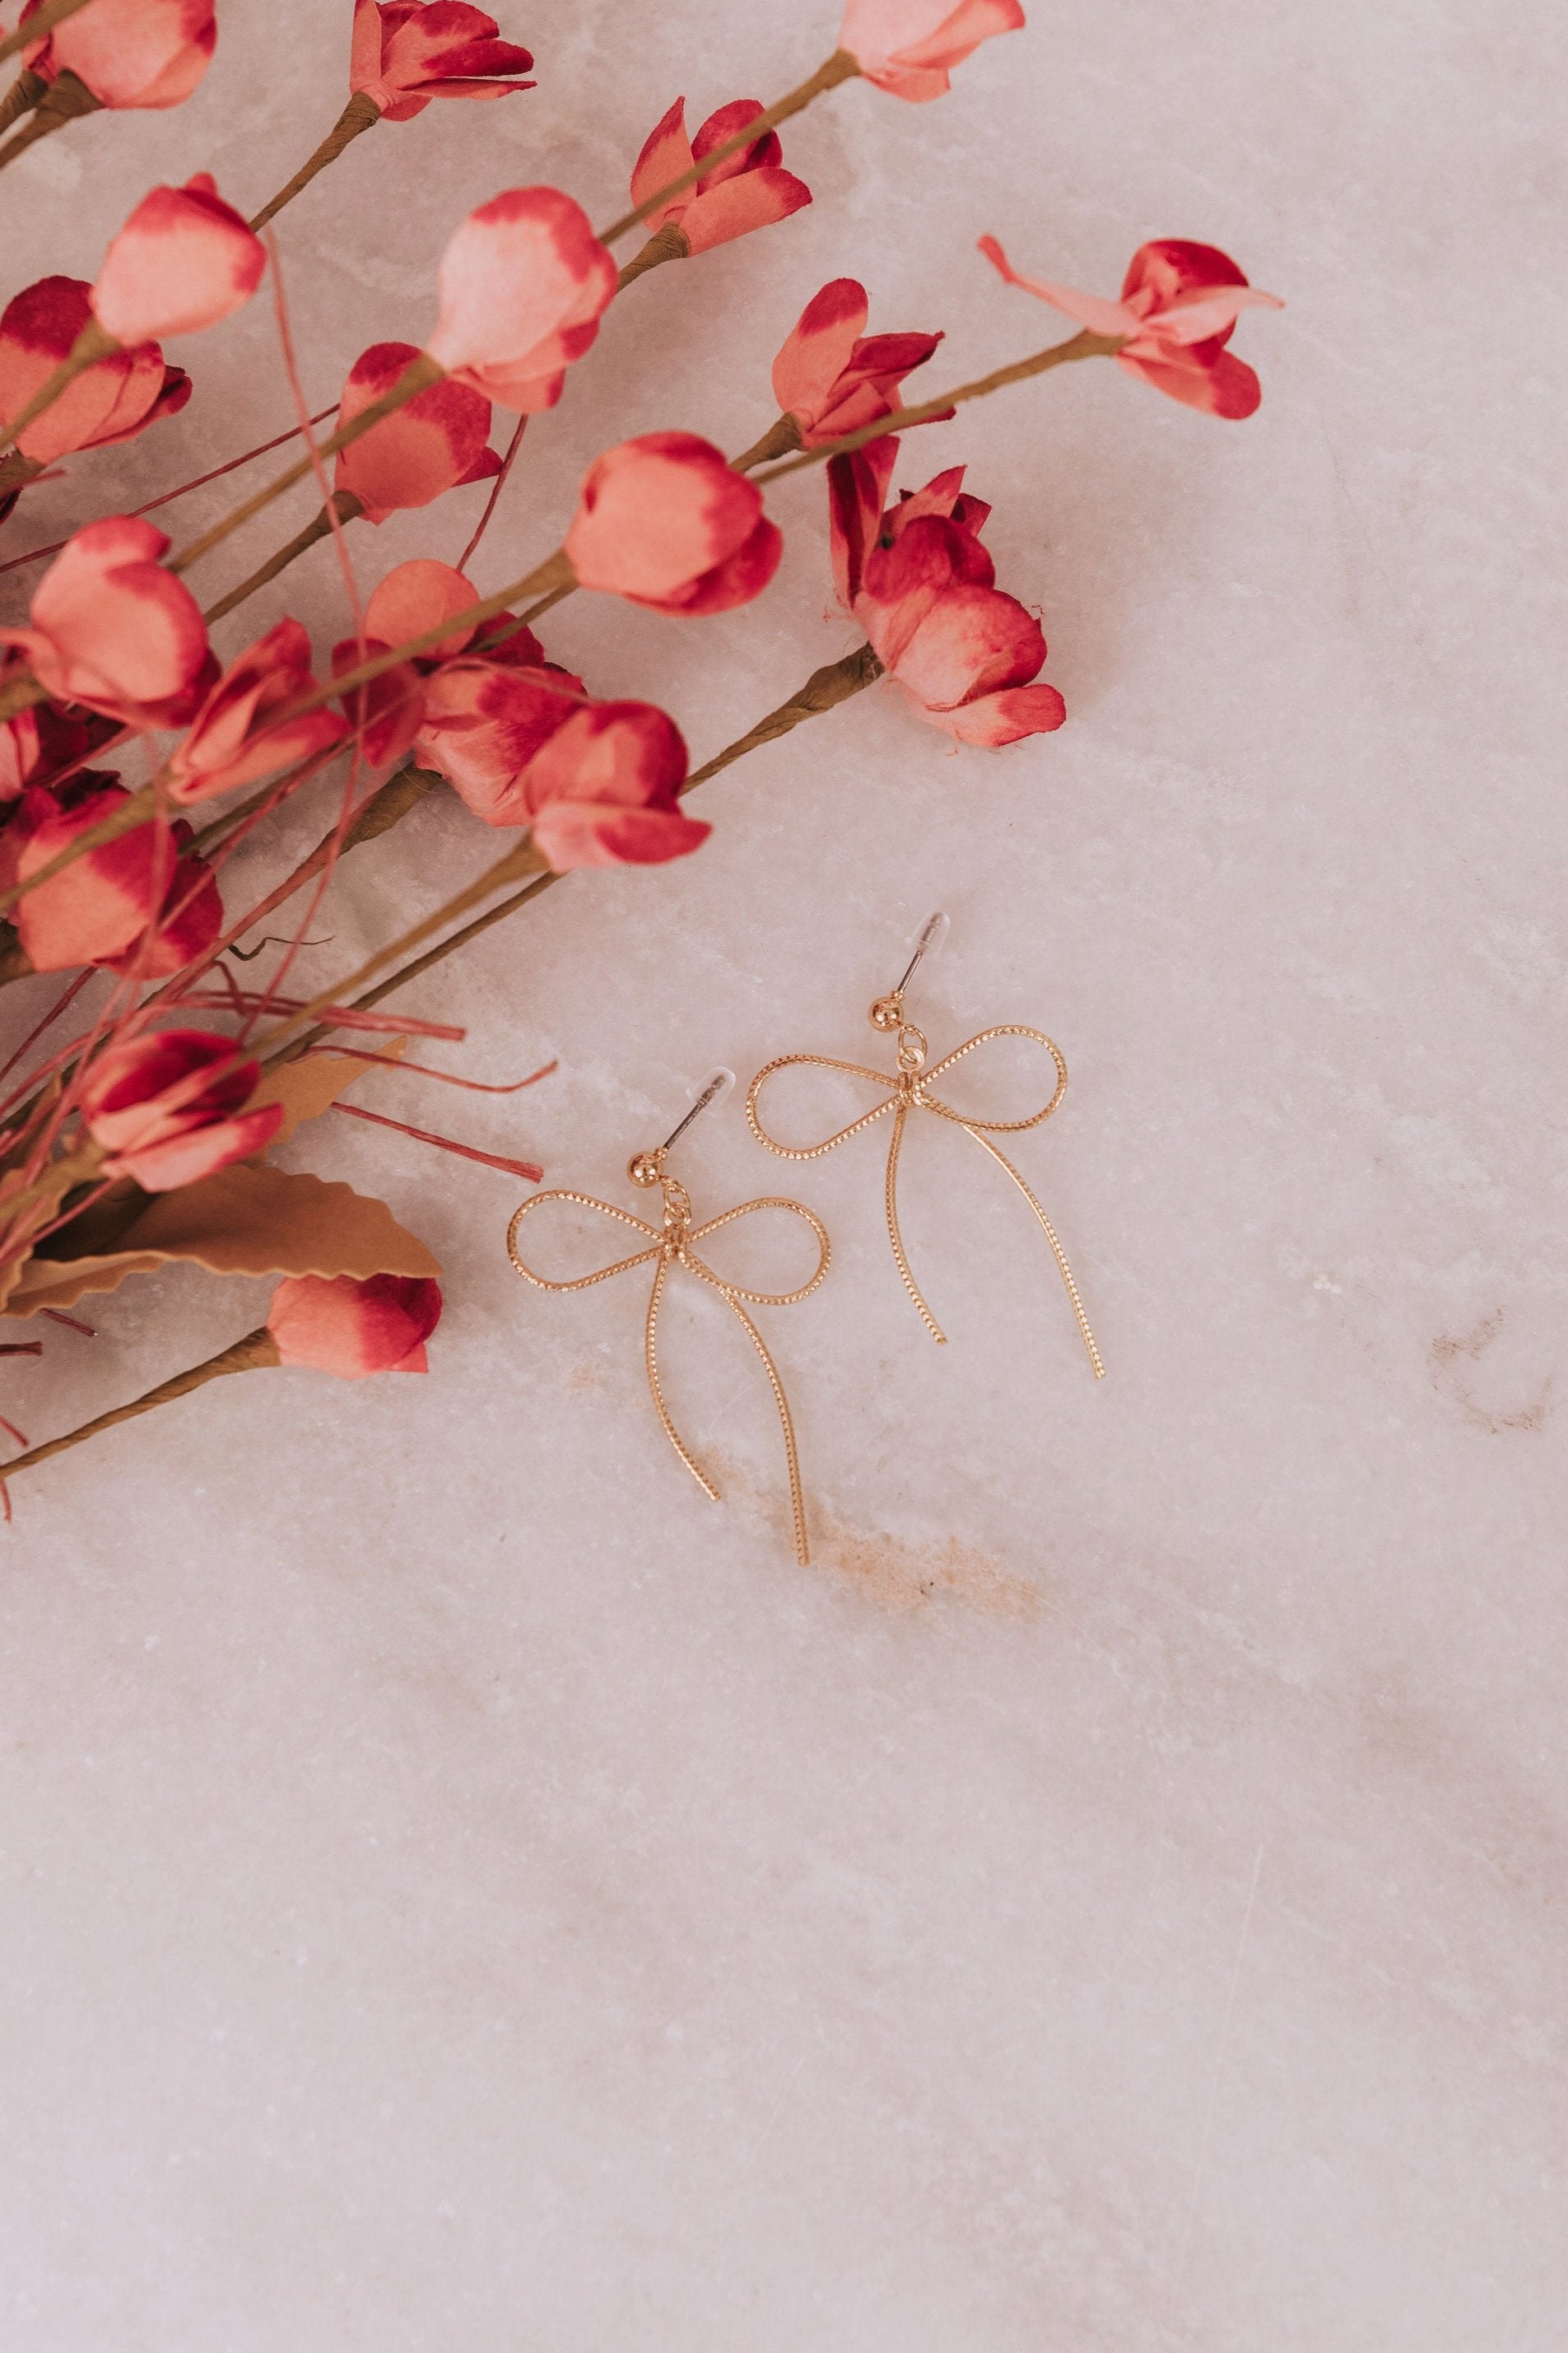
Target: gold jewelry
[[912, 1086], [671, 1245]]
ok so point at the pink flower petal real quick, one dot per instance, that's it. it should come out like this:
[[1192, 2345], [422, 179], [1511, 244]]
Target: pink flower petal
[[111, 401], [184, 261], [419, 452], [735, 207], [819, 347], [523, 281], [993, 720], [132, 53], [909, 47], [415, 597], [351, 1326], [658, 515], [114, 630], [665, 156], [233, 740], [1090, 311], [186, 1159], [972, 642]]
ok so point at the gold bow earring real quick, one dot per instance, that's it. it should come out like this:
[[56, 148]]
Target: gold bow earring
[[670, 1245], [911, 1092]]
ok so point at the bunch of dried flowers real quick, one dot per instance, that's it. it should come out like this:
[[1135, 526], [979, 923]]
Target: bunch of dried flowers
[[142, 1139]]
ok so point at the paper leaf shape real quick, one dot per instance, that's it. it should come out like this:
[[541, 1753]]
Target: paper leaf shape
[[246, 1219], [259, 1220], [312, 1085]]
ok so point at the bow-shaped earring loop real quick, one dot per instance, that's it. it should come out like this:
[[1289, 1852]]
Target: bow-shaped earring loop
[[912, 1086], [669, 1246]]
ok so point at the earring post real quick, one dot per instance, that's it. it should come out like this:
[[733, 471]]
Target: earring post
[[933, 931], [720, 1081]]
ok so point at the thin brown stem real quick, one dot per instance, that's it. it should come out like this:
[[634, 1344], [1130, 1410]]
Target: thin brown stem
[[166, 498], [347, 507], [62, 101], [257, 1349], [22, 97], [839, 67], [520, 859], [360, 114], [823, 690], [497, 487], [384, 808], [41, 21], [782, 436], [669, 243], [416, 378], [1082, 346]]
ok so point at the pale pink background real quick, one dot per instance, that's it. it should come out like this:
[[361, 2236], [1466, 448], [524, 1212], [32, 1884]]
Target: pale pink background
[[461, 1890]]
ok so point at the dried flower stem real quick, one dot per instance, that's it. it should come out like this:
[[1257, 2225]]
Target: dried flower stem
[[1081, 346], [347, 507], [256, 1350], [520, 859], [497, 487], [360, 114], [416, 378], [668, 244], [166, 498], [782, 436], [41, 21], [823, 690], [21, 98], [551, 579], [839, 67], [63, 101], [381, 810]]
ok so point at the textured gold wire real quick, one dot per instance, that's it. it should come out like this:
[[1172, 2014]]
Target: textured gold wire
[[912, 1090], [671, 1246]]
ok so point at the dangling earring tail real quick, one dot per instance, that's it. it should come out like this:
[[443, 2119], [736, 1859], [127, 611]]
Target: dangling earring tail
[[911, 1092], [670, 1246]]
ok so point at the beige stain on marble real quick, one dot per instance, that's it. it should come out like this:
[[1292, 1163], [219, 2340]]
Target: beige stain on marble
[[897, 1574], [1449, 1356]]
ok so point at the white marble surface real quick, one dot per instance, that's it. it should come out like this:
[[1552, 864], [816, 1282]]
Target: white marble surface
[[461, 1889]]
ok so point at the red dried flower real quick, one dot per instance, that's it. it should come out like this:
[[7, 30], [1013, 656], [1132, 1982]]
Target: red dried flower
[[110, 629], [232, 739], [831, 378], [1179, 306], [428, 447], [352, 1325], [523, 281], [149, 53], [663, 522], [169, 1108], [746, 191], [406, 52], [114, 399], [922, 588], [603, 790], [184, 261], [99, 909]]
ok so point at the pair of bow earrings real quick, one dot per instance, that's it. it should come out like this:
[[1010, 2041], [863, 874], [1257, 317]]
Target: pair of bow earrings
[[672, 1242]]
